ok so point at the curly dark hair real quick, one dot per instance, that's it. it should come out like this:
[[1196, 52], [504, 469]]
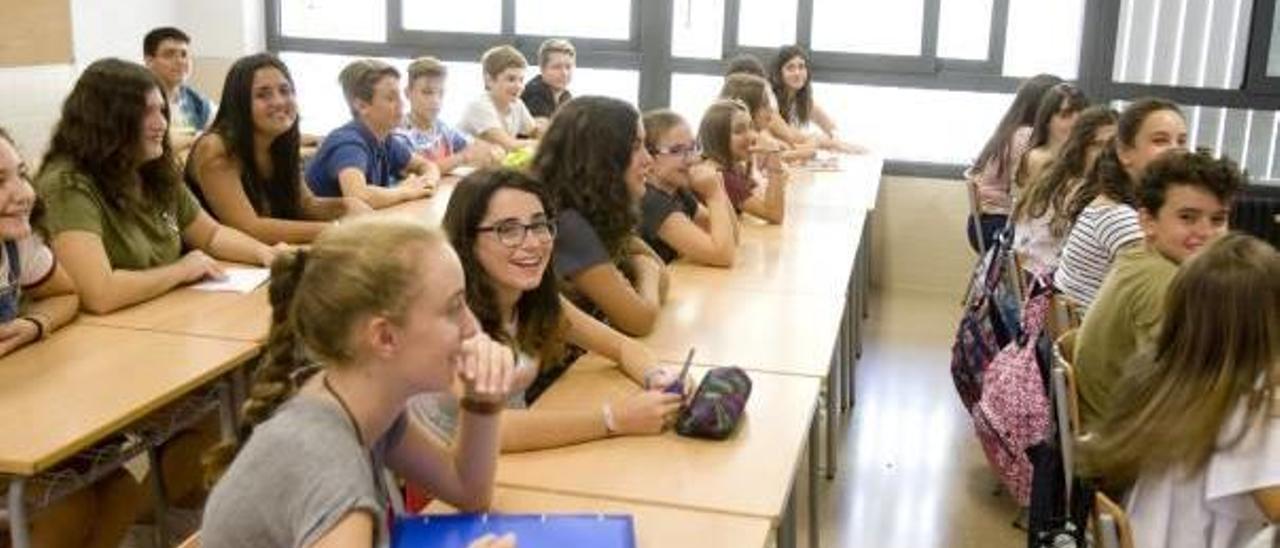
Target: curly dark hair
[[1108, 176], [100, 132], [541, 329], [1220, 177], [276, 194], [582, 162], [792, 106]]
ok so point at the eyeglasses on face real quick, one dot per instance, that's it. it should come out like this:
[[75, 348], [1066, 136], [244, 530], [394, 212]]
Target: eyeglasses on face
[[688, 150], [512, 233]]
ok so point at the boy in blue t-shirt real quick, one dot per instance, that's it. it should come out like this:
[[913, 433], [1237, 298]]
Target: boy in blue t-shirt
[[428, 135], [364, 159]]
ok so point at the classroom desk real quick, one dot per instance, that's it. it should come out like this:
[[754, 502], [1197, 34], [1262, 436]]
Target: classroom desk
[[749, 474], [655, 526], [770, 332], [429, 209], [85, 382], [186, 311]]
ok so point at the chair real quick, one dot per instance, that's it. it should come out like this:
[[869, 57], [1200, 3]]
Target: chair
[[975, 213], [192, 541], [1111, 524], [1066, 314], [1064, 404]]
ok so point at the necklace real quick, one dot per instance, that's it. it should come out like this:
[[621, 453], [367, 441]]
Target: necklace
[[374, 466], [345, 410]]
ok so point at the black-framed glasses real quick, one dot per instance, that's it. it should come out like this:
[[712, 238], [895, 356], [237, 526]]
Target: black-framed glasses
[[688, 150], [513, 233]]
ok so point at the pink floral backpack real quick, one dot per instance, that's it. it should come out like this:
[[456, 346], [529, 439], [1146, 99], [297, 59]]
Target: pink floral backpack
[[1013, 413]]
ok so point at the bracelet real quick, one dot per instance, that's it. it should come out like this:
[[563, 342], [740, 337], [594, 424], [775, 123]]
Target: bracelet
[[609, 426], [481, 407], [39, 326], [649, 375]]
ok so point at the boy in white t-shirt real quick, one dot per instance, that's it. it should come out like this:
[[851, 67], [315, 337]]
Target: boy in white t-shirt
[[499, 116]]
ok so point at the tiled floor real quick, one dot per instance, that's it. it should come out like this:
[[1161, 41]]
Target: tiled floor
[[912, 474]]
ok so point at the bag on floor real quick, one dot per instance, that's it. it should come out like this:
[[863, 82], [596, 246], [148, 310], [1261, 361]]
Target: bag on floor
[[1014, 412], [988, 323]]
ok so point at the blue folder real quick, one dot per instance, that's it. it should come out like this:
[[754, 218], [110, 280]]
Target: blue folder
[[532, 530]]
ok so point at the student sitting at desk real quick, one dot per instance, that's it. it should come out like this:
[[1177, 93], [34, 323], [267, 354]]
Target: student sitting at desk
[[593, 164], [503, 230], [38, 298], [363, 159], [728, 143], [685, 211], [380, 305], [430, 136], [117, 211], [246, 170], [792, 83], [499, 116]]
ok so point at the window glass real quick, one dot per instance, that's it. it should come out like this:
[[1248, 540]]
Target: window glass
[[766, 23], [697, 28], [582, 18], [964, 29], [868, 26], [334, 19], [1043, 37], [478, 16]]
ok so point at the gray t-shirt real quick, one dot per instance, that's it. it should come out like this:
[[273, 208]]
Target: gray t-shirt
[[301, 472], [577, 245]]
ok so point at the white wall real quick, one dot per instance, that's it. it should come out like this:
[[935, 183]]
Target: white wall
[[114, 28]]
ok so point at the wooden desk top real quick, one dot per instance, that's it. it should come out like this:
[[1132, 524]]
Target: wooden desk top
[[856, 184], [655, 526], [85, 382], [749, 474], [186, 311], [761, 331], [430, 209]]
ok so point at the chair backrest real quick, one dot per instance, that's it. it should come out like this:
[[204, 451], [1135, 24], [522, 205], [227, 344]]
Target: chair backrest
[[1111, 524], [1067, 314], [975, 213], [1064, 404], [192, 541]]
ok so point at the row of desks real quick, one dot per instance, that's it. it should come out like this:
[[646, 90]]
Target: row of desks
[[778, 313]]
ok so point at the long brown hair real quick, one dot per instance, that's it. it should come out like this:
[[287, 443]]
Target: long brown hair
[[715, 133], [540, 331], [1219, 346], [100, 133], [366, 266], [1061, 178], [1022, 112]]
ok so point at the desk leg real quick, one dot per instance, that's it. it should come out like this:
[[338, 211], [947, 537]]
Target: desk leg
[[814, 510], [787, 527], [852, 330], [19, 534], [159, 492], [833, 418], [865, 248]]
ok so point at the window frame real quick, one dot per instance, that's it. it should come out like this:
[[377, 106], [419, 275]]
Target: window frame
[[648, 51]]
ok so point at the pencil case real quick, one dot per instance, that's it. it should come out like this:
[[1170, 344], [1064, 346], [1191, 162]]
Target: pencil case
[[717, 406]]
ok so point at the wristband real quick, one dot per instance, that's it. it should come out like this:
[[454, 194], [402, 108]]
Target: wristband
[[481, 407], [609, 426], [39, 326]]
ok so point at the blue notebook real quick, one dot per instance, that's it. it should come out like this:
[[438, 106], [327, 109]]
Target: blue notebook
[[532, 530]]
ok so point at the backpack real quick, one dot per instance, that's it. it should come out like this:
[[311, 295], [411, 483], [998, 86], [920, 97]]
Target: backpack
[[1013, 413], [989, 320]]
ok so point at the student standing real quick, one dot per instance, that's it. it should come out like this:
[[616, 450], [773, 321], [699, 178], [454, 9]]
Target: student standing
[[167, 52], [380, 305], [431, 137], [361, 159], [246, 170], [550, 88], [593, 163], [499, 116], [1195, 424]]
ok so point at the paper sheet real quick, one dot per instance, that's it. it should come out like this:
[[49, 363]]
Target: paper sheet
[[237, 280]]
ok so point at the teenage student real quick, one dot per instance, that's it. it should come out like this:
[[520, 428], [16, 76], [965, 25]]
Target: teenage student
[[380, 305], [1184, 201], [728, 141], [430, 136], [1059, 108], [1195, 424], [792, 85], [1104, 219], [246, 170], [362, 159], [993, 170], [550, 88], [167, 52], [117, 211], [685, 211], [1040, 224], [38, 298], [593, 164], [774, 129], [503, 230], [499, 116]]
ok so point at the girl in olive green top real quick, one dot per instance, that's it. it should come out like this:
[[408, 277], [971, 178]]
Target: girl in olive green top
[[118, 212]]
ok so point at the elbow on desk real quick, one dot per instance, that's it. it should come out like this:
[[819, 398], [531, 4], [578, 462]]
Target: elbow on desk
[[637, 324], [99, 304]]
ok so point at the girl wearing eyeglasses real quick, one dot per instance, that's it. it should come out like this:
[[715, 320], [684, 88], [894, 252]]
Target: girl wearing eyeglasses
[[503, 230], [685, 211]]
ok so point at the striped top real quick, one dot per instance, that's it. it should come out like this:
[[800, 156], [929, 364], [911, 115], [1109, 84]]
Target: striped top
[[1097, 236]]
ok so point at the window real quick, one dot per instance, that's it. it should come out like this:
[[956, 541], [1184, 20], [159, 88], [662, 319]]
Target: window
[[1273, 63], [697, 28], [868, 26], [1043, 37], [691, 94], [334, 19], [766, 23], [609, 19], [477, 16], [964, 29]]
